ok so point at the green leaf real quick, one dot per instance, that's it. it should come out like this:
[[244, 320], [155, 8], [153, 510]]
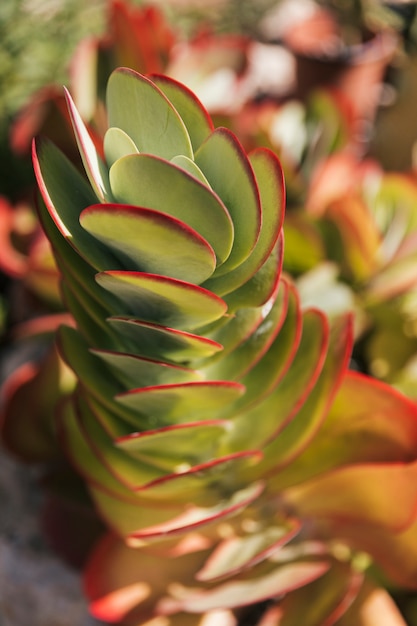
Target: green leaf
[[224, 163], [261, 287], [269, 179], [149, 241], [163, 300], [363, 492], [178, 403], [95, 168], [94, 374], [66, 193], [136, 371], [175, 445], [117, 144], [273, 582], [240, 553], [161, 342], [192, 112], [193, 518], [150, 182], [189, 166], [126, 470], [140, 109], [244, 357], [84, 459], [283, 453]]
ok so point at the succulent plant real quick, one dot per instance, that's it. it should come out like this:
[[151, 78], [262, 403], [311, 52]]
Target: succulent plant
[[235, 460]]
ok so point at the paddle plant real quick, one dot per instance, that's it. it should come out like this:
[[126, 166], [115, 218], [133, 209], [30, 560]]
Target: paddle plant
[[243, 473]]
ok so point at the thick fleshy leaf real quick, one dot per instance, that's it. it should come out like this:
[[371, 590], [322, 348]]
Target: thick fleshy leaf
[[327, 598], [263, 284], [303, 427], [202, 485], [269, 179], [192, 518], [273, 581], [29, 396], [146, 115], [373, 606], [190, 166], [95, 168], [117, 144], [57, 179], [91, 372], [124, 584], [177, 193], [395, 553], [192, 112], [125, 469], [237, 553], [163, 300], [245, 356], [363, 492], [369, 422], [141, 521], [262, 379], [175, 445], [149, 241], [290, 393], [161, 342], [228, 170], [136, 371], [177, 403], [85, 460]]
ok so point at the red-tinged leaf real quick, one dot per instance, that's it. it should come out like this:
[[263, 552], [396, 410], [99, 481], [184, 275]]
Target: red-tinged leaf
[[229, 172], [160, 130], [84, 458], [57, 178], [245, 357], [327, 598], [29, 396], [235, 329], [291, 392], [192, 518], [373, 606], [172, 446], [269, 178], [395, 553], [247, 589], [155, 341], [239, 553], [360, 236], [12, 262], [137, 371], [192, 112], [369, 421], [125, 584], [201, 485], [163, 300], [95, 168], [298, 435], [124, 468], [382, 494], [262, 285], [182, 402], [141, 37], [264, 377], [91, 372], [151, 182], [165, 246]]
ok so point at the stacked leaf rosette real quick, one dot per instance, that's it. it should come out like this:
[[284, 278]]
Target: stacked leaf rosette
[[233, 458]]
